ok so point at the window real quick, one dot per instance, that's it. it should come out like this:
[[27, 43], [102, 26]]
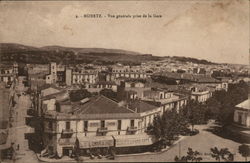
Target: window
[[50, 137], [50, 125], [119, 127], [67, 125], [102, 124], [132, 123], [85, 126]]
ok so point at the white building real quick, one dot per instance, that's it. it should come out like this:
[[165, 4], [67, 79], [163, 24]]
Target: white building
[[242, 113]]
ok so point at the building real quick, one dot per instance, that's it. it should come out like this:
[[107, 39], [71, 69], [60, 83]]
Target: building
[[198, 70], [127, 89], [200, 95], [52, 76], [128, 72], [8, 72], [165, 99], [96, 123], [84, 76], [242, 114], [7, 106], [240, 128]]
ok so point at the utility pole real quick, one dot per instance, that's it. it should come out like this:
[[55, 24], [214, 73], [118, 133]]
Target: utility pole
[[180, 150]]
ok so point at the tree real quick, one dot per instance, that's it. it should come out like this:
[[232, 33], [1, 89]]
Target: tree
[[244, 150], [167, 127], [193, 156], [195, 113], [222, 154]]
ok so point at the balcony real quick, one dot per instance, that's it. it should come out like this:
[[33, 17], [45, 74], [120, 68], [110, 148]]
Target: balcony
[[132, 129], [67, 131], [102, 129]]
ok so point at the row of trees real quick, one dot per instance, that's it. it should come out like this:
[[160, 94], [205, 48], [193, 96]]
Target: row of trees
[[219, 155], [216, 153], [220, 106], [169, 126]]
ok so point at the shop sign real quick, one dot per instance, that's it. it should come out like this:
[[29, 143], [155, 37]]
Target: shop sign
[[133, 142]]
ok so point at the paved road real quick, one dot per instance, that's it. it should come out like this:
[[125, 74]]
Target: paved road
[[201, 142], [23, 155]]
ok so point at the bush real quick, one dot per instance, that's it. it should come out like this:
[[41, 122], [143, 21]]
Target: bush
[[194, 132]]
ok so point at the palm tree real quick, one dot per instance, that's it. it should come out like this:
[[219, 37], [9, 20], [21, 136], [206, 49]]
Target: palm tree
[[244, 150], [223, 153], [192, 156]]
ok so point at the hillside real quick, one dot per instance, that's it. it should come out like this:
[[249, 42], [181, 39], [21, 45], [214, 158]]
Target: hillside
[[10, 52], [69, 55]]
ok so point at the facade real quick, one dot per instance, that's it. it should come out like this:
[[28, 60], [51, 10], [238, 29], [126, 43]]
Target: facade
[[165, 99], [128, 72], [8, 72], [242, 114], [84, 76], [200, 95], [52, 77], [98, 122]]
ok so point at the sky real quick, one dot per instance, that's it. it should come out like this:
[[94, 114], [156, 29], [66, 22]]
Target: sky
[[216, 30]]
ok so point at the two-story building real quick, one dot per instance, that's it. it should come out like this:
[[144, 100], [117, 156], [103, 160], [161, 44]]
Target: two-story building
[[200, 95], [165, 99], [98, 122], [8, 72]]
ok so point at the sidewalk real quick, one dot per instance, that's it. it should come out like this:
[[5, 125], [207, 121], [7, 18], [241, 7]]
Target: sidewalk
[[69, 160]]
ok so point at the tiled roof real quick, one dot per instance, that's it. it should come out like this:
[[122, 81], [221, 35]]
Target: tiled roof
[[141, 106], [62, 95], [191, 77], [45, 86], [100, 105]]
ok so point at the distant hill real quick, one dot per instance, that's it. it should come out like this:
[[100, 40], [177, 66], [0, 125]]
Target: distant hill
[[69, 55], [88, 50], [193, 60]]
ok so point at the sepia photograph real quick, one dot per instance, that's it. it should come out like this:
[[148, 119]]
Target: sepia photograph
[[124, 81]]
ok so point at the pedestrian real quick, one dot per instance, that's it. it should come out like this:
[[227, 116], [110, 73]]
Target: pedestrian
[[18, 147]]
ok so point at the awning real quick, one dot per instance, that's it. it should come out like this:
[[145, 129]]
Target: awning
[[96, 141], [133, 140]]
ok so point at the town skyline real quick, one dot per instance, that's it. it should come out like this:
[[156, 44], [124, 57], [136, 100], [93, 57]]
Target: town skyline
[[215, 31], [127, 50]]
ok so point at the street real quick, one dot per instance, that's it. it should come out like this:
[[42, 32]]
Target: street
[[201, 142], [20, 128]]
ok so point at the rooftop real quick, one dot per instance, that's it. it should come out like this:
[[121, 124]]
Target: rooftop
[[141, 106], [100, 105], [244, 105]]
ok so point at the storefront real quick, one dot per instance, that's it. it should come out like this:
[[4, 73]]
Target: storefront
[[95, 142], [65, 147], [94, 145], [126, 144]]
